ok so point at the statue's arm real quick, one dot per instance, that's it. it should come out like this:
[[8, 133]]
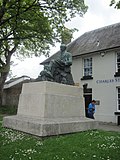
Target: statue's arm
[[69, 60]]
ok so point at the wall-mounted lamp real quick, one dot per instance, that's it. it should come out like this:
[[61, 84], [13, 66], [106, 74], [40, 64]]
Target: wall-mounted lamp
[[102, 54], [85, 85]]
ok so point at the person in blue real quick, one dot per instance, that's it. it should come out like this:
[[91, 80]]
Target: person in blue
[[91, 109]]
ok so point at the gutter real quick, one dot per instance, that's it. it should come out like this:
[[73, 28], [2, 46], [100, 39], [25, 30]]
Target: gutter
[[94, 52]]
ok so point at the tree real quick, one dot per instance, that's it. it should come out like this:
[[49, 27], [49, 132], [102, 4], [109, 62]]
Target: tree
[[29, 27], [115, 3], [66, 35]]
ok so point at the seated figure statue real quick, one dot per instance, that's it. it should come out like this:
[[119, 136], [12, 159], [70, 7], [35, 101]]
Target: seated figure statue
[[59, 69]]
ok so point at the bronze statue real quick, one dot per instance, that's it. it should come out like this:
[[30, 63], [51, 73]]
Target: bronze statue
[[58, 70]]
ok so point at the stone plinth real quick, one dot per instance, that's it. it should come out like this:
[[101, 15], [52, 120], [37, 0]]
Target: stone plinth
[[51, 100], [48, 108]]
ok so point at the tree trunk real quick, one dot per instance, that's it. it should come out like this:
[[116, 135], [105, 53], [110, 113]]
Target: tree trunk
[[2, 82], [5, 68], [1, 97]]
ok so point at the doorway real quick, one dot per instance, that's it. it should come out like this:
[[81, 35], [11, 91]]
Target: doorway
[[118, 120], [87, 93], [88, 99]]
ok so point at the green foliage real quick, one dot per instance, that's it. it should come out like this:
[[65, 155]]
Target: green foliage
[[115, 3], [29, 27], [84, 145], [8, 110], [1, 118], [66, 35], [34, 24]]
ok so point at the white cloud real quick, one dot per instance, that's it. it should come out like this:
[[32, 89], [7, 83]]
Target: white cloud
[[99, 14], [30, 67]]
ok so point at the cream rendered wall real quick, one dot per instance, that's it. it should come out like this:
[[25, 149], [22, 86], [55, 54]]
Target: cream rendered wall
[[76, 69], [106, 93], [104, 69]]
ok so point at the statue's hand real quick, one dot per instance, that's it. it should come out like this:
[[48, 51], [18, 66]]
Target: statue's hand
[[67, 63]]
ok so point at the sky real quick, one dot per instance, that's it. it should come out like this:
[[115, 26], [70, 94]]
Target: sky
[[99, 14]]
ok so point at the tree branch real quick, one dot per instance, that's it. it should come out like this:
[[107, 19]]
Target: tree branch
[[1, 62]]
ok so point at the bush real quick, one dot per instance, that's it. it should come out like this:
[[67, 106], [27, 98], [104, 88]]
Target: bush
[[9, 110]]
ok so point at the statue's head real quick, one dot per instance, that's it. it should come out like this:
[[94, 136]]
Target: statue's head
[[63, 47]]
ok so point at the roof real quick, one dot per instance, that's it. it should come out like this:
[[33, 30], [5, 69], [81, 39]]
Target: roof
[[15, 81], [104, 38]]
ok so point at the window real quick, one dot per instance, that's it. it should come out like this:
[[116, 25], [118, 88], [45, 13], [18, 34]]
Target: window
[[118, 62], [87, 68], [117, 74], [118, 108]]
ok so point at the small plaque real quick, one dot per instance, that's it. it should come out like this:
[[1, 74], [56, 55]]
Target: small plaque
[[97, 102]]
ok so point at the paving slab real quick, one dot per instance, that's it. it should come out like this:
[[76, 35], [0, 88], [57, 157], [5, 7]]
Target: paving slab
[[109, 126]]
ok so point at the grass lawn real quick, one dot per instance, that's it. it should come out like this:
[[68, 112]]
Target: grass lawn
[[89, 145]]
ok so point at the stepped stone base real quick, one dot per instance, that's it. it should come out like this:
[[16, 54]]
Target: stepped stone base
[[48, 127], [47, 108]]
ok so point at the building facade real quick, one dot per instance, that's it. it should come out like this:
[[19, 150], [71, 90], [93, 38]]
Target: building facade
[[96, 68], [98, 74]]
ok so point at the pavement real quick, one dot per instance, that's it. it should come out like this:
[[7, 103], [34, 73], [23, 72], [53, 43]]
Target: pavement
[[109, 127]]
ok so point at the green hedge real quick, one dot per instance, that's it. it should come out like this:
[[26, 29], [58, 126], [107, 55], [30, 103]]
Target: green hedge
[[10, 110]]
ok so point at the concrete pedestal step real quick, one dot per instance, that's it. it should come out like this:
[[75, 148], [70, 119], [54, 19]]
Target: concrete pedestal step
[[45, 127]]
